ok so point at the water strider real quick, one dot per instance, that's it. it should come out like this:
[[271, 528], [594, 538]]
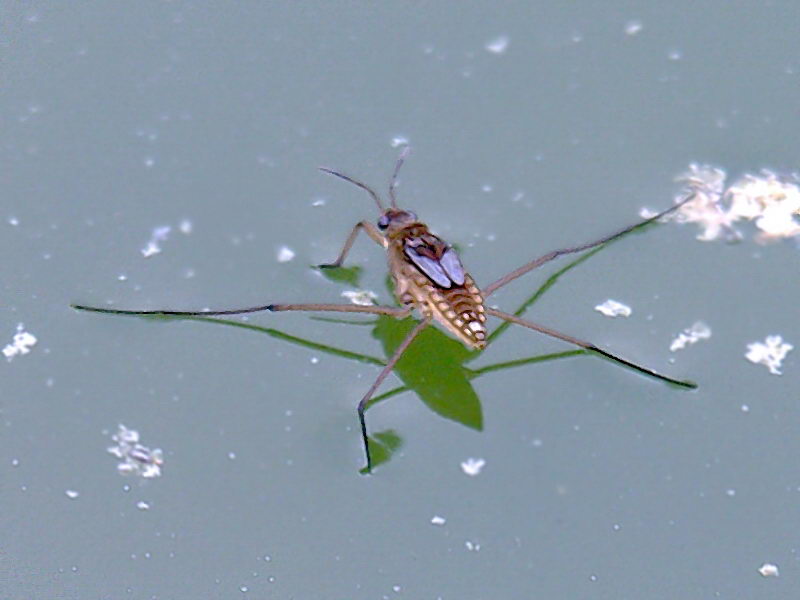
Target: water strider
[[428, 276]]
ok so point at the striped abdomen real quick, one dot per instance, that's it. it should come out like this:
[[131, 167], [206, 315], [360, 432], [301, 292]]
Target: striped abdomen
[[459, 308]]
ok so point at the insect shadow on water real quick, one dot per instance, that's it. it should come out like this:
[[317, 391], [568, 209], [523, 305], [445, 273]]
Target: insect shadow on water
[[427, 275]]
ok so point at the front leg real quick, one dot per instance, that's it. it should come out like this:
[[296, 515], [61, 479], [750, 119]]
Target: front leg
[[371, 231]]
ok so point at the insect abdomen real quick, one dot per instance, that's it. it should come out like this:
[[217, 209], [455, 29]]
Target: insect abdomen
[[459, 309]]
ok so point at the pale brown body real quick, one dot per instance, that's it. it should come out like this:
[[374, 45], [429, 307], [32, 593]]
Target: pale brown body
[[459, 308]]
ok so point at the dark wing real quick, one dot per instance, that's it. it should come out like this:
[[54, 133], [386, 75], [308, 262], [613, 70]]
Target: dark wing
[[436, 260]]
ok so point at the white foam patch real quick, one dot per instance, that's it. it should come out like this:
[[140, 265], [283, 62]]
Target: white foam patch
[[769, 570], [284, 254], [770, 202], [158, 235], [770, 353], [633, 27], [360, 297], [612, 308], [21, 343], [473, 466], [691, 335], [134, 458], [498, 45]]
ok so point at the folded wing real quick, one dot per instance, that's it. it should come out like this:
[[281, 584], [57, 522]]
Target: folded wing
[[436, 260]]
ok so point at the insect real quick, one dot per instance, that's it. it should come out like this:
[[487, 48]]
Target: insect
[[428, 276]]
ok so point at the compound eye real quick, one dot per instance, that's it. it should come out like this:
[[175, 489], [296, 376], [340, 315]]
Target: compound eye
[[383, 222]]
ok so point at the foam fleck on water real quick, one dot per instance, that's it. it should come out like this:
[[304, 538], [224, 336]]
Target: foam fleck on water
[[21, 343], [768, 570], [473, 466], [498, 45], [769, 201], [612, 308], [770, 353], [360, 297], [691, 335], [284, 254], [633, 27], [135, 458], [158, 235]]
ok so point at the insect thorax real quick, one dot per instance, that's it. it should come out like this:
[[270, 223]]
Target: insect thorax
[[427, 277]]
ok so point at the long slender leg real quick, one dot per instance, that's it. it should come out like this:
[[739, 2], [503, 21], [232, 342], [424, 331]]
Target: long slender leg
[[391, 311], [371, 231], [381, 376], [587, 346], [538, 262]]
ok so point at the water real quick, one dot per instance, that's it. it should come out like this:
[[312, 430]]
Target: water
[[532, 128]]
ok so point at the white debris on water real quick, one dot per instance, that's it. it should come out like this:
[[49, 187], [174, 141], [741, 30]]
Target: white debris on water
[[473, 466], [769, 570], [134, 458], [498, 45], [284, 254], [770, 353], [21, 343], [399, 140], [158, 235], [708, 186], [437, 520], [161, 234], [472, 546], [633, 27], [612, 308], [769, 201], [360, 297], [691, 335]]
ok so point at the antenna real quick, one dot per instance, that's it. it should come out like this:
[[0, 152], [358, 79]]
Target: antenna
[[403, 155], [363, 186]]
